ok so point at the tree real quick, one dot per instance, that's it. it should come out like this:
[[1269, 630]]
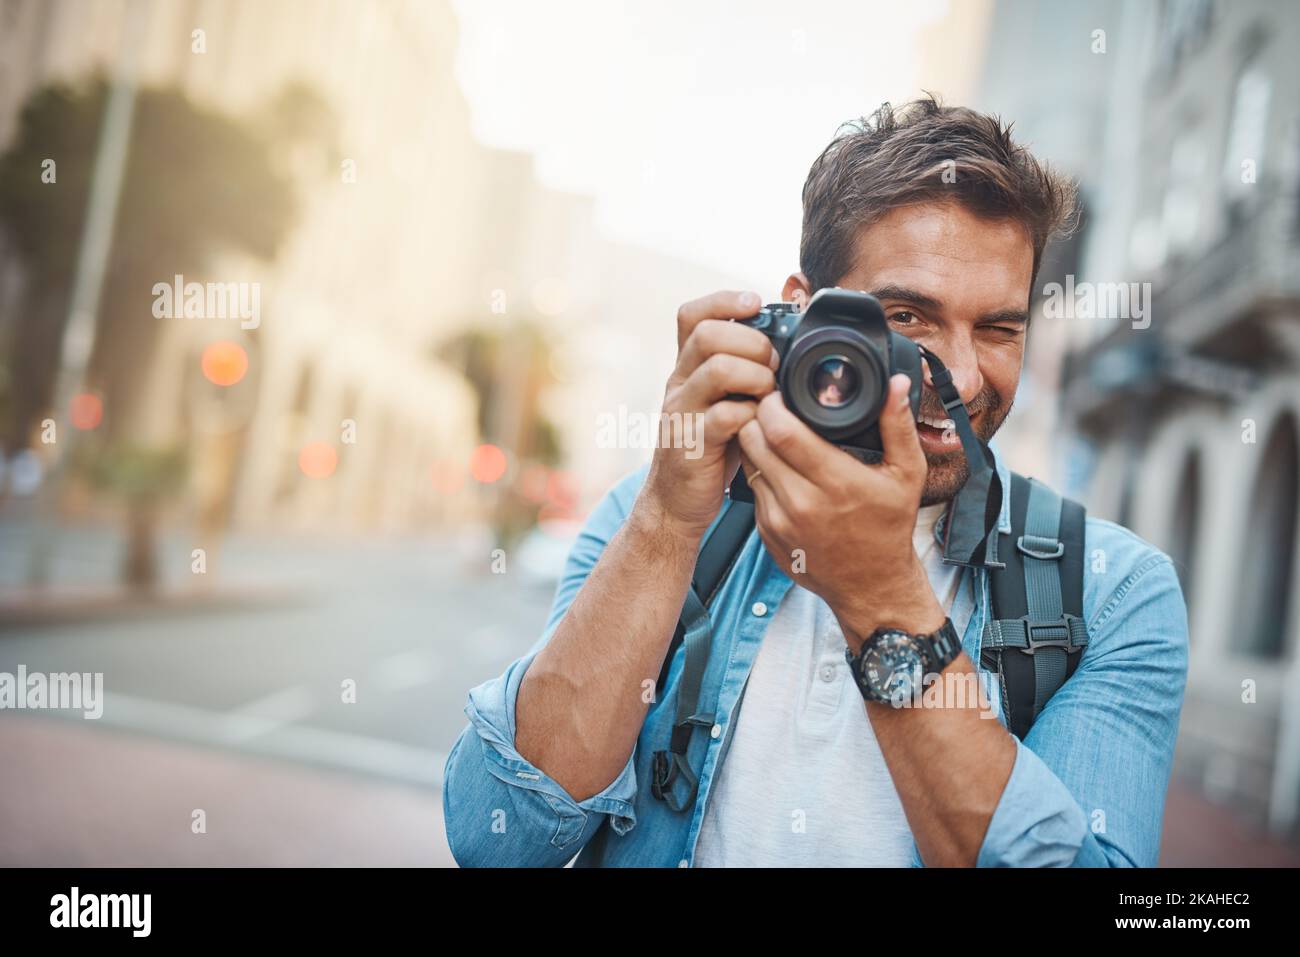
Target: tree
[[509, 371], [198, 183]]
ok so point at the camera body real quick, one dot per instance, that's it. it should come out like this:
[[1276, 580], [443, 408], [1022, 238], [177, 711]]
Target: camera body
[[837, 356]]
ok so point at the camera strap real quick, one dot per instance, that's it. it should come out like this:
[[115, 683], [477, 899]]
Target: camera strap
[[970, 529]]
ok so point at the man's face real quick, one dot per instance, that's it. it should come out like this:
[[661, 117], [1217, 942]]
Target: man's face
[[958, 285]]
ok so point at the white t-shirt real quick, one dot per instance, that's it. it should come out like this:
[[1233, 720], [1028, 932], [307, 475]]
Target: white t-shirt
[[804, 783]]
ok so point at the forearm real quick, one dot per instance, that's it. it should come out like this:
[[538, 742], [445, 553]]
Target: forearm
[[949, 758], [950, 761], [583, 700]]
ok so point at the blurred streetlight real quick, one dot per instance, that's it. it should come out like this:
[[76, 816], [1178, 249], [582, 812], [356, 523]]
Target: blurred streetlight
[[88, 281]]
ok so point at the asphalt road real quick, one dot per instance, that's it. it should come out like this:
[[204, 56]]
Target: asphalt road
[[257, 687], [414, 624]]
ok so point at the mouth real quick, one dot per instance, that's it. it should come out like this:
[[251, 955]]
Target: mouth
[[937, 435]]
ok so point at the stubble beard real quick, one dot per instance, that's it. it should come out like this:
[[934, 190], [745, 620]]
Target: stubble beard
[[948, 471]]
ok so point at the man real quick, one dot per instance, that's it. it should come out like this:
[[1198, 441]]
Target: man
[[938, 214]]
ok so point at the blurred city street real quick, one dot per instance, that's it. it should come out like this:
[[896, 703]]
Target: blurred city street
[[237, 708]]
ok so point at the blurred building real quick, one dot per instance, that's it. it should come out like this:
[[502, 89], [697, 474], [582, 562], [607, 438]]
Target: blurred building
[[344, 332], [410, 235], [1183, 422], [1062, 117]]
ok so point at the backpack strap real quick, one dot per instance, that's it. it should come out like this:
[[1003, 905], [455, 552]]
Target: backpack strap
[[672, 780], [1036, 632]]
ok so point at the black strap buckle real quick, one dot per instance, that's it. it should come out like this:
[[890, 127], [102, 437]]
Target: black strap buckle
[[665, 768], [1055, 634]]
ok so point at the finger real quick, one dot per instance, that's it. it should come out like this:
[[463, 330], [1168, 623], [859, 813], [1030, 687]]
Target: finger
[[902, 446], [724, 419], [713, 336], [786, 484], [723, 374], [719, 305], [767, 507], [793, 441], [773, 526], [747, 466]]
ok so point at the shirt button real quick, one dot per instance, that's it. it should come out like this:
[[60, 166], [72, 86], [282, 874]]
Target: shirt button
[[716, 731], [683, 863], [828, 673], [759, 609]]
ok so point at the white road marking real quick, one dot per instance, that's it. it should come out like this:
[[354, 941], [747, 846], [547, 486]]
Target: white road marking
[[408, 669], [269, 713], [332, 749]]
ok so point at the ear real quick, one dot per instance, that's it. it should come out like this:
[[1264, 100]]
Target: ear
[[797, 290]]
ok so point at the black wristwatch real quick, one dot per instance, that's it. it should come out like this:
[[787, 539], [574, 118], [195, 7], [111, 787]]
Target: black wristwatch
[[892, 663]]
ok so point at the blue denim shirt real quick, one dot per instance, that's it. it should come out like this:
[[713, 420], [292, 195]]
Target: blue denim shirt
[[1087, 787]]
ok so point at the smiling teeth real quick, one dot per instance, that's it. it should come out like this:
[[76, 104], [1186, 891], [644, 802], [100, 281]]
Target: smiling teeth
[[941, 424]]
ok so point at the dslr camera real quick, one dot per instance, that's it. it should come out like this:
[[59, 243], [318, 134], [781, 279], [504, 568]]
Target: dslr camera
[[836, 359]]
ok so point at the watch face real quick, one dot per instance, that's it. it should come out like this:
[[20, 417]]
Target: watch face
[[892, 666]]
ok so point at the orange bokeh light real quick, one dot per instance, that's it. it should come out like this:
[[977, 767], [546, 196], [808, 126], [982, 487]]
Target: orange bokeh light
[[487, 464], [224, 362], [318, 460], [85, 411]]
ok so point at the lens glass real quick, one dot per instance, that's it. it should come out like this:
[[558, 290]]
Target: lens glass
[[835, 382]]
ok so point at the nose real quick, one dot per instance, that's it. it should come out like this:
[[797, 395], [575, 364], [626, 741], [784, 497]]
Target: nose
[[956, 350]]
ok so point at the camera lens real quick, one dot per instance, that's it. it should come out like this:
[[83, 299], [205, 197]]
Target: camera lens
[[835, 382], [834, 379]]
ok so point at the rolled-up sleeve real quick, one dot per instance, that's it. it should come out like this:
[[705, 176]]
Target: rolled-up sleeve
[[1089, 781], [498, 808]]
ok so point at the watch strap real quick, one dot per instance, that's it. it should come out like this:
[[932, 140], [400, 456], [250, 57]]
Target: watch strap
[[942, 645]]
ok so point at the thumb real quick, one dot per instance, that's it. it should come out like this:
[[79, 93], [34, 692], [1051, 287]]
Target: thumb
[[902, 447]]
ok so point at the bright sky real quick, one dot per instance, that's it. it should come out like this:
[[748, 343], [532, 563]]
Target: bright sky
[[692, 122]]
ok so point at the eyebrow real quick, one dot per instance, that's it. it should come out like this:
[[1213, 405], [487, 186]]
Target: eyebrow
[[907, 295], [921, 300]]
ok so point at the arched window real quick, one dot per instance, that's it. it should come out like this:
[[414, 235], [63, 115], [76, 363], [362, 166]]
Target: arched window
[[1268, 559], [1186, 523]]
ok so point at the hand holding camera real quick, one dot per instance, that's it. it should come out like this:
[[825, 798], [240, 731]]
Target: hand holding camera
[[836, 360], [722, 368], [838, 527]]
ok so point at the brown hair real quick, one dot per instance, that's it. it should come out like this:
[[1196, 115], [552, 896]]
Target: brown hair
[[898, 157]]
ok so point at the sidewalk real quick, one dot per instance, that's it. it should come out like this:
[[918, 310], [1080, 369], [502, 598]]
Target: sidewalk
[[75, 604], [1200, 833], [77, 796], [81, 797]]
